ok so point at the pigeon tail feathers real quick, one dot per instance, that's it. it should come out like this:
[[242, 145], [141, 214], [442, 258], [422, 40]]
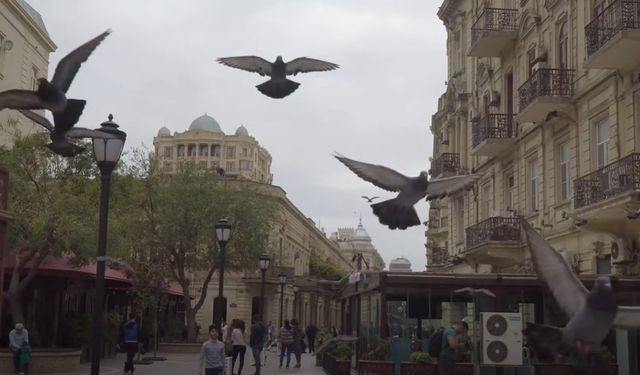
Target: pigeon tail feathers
[[278, 89], [66, 149], [72, 112], [544, 342], [396, 215]]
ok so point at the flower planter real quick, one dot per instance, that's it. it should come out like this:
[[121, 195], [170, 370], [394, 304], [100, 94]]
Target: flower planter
[[375, 367], [463, 368], [413, 368], [332, 366], [552, 369]]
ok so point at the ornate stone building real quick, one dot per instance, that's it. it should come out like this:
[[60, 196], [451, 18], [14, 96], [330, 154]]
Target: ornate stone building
[[357, 242]]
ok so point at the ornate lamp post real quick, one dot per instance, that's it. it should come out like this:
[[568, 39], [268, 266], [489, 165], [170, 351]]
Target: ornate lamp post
[[223, 232], [296, 289], [282, 279], [264, 265], [107, 153]]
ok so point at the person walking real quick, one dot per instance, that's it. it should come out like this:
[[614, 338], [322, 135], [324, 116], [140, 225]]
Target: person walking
[[257, 340], [130, 335], [212, 354], [18, 338], [239, 347], [312, 331], [450, 345], [286, 342], [298, 341]]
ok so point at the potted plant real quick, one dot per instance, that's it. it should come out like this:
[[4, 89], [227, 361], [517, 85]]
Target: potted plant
[[375, 356], [605, 362], [420, 363], [323, 336], [337, 359]]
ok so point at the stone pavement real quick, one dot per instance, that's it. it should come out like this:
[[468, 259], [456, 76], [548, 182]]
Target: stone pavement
[[187, 364]]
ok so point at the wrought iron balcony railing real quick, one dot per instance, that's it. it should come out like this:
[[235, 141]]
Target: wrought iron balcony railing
[[494, 19], [447, 162], [619, 15], [546, 82], [493, 126], [439, 256], [618, 177], [493, 229]]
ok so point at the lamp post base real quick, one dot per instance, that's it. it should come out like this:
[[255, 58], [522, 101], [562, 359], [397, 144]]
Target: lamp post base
[[219, 310]]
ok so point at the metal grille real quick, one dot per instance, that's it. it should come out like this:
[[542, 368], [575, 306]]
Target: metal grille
[[494, 19], [618, 177], [493, 126], [439, 255], [493, 229], [447, 162], [546, 82], [619, 15]]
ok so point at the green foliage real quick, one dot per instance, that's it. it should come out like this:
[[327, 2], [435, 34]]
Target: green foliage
[[341, 350], [421, 357], [603, 355], [323, 335], [375, 348], [324, 269]]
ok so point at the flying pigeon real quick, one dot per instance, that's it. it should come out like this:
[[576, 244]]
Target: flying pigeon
[[62, 131], [591, 314], [399, 211], [278, 86], [52, 95], [476, 292], [370, 200]]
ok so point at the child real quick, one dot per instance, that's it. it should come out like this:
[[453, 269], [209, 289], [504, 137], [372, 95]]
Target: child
[[212, 354]]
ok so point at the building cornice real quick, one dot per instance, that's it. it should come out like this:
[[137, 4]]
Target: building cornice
[[25, 17], [447, 10]]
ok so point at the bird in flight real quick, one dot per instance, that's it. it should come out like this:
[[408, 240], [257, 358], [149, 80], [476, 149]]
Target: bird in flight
[[278, 86], [399, 213], [591, 314], [52, 95], [370, 200], [62, 131]]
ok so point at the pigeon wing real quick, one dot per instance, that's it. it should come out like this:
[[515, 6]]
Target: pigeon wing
[[70, 64], [41, 120], [551, 267], [88, 133], [628, 317], [442, 187], [20, 99], [252, 64], [383, 177], [306, 65]]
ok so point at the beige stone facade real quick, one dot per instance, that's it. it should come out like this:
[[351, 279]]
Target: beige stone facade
[[543, 100], [357, 241], [25, 46]]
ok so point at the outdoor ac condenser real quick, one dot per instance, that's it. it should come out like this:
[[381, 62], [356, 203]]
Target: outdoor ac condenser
[[501, 339]]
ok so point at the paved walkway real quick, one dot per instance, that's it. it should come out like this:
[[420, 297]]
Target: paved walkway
[[187, 364]]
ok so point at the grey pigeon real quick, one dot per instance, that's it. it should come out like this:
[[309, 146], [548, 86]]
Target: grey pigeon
[[278, 86], [591, 314], [399, 211], [476, 292], [52, 95], [62, 131], [370, 200]]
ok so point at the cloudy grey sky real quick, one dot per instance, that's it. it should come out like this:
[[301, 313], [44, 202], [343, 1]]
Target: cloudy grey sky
[[158, 69]]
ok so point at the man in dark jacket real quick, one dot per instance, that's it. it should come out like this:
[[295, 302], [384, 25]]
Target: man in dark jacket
[[312, 331], [256, 341], [130, 333]]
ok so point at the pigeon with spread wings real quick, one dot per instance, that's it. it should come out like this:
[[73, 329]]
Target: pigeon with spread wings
[[52, 95], [399, 211], [591, 314], [278, 86]]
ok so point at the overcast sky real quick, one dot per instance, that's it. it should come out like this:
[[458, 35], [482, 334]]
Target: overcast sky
[[158, 69]]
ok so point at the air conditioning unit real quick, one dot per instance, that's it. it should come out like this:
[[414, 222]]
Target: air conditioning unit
[[494, 98], [621, 251], [501, 339]]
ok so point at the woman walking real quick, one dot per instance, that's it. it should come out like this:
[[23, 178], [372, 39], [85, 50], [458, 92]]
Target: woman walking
[[238, 344], [286, 342], [298, 343]]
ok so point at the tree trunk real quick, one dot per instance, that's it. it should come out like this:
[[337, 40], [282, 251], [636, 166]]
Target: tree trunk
[[15, 301], [190, 314]]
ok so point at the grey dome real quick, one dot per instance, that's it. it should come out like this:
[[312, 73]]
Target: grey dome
[[164, 131], [242, 131], [205, 122], [361, 234]]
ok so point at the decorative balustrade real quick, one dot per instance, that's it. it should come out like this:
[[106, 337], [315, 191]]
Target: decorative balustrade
[[546, 82], [439, 255], [619, 15], [494, 19], [493, 229], [447, 162], [493, 126], [618, 177]]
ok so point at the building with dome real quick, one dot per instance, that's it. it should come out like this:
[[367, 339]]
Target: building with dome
[[239, 155], [357, 241], [401, 264]]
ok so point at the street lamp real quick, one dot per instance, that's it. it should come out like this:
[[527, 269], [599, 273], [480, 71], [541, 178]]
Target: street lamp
[[282, 279], [223, 232], [296, 289], [107, 152], [264, 264]]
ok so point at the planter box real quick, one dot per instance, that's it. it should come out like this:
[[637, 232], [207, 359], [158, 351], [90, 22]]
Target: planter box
[[45, 361], [412, 368], [375, 367], [332, 366], [179, 347], [552, 369], [463, 368]]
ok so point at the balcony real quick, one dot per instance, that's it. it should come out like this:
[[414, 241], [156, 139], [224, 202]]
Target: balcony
[[493, 32], [613, 37], [439, 256], [493, 134], [446, 164], [437, 227], [545, 91], [605, 192], [494, 241]]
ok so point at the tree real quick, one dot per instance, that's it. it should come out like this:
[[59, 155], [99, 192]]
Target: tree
[[180, 212]]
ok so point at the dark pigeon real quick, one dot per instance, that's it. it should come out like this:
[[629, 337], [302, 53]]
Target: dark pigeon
[[278, 86], [370, 200], [591, 314], [52, 95], [62, 131], [399, 213]]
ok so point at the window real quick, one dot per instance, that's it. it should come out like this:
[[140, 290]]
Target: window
[[168, 152], [510, 198], [564, 174], [180, 151], [602, 143], [192, 151], [245, 165], [603, 265], [460, 218], [204, 150], [532, 170], [486, 201], [231, 152], [563, 41], [231, 166], [531, 59], [245, 152], [34, 78], [215, 151]]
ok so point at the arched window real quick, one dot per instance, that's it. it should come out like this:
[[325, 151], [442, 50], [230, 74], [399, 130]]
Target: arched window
[[563, 47]]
